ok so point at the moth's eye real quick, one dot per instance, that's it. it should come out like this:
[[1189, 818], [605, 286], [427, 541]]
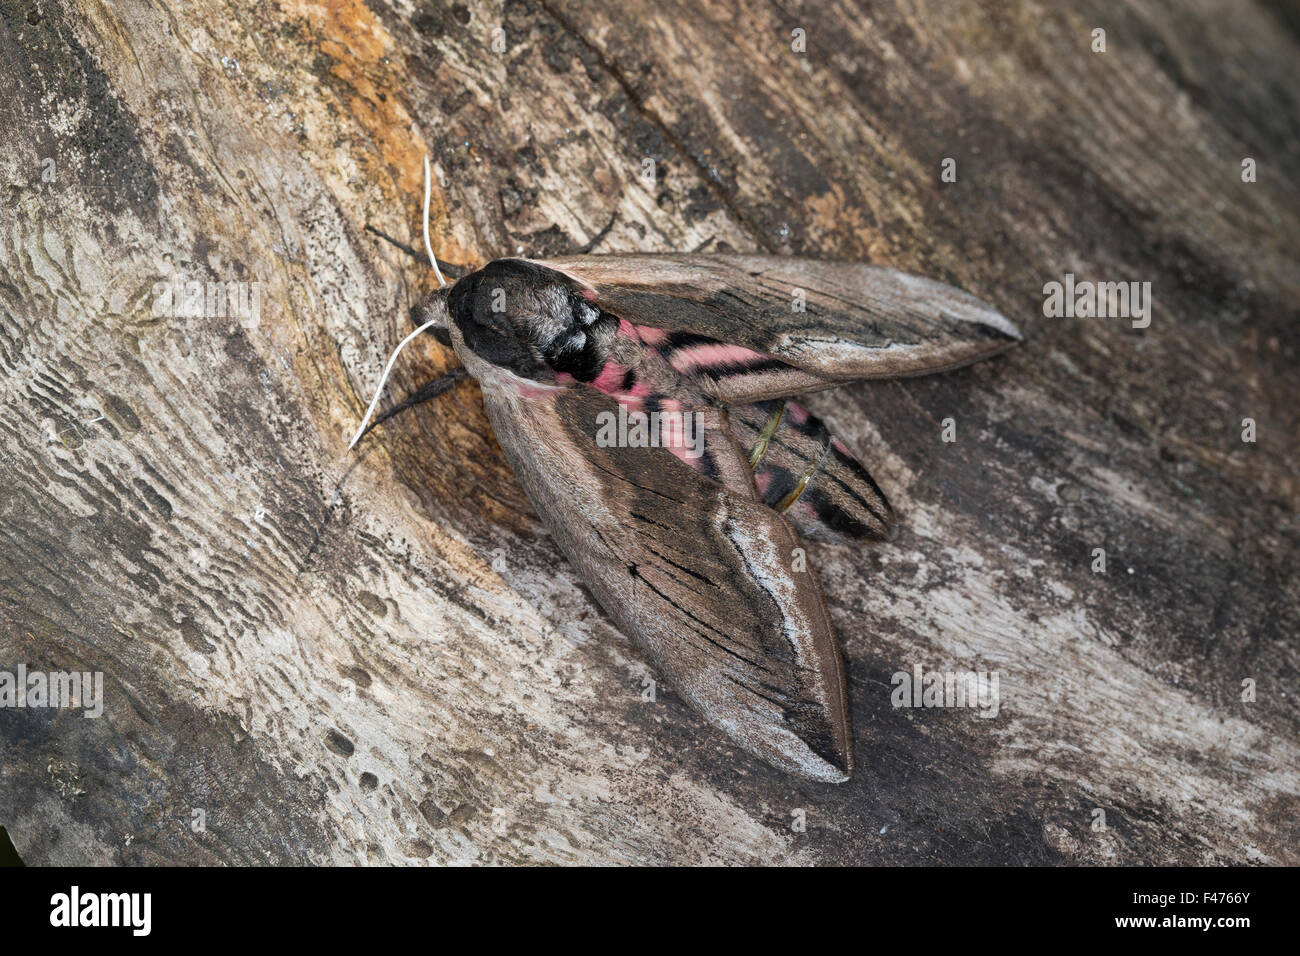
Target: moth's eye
[[499, 348]]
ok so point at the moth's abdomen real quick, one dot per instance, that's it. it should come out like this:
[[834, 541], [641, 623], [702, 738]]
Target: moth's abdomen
[[803, 472]]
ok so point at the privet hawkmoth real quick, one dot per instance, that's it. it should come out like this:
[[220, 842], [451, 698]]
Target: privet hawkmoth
[[687, 533]]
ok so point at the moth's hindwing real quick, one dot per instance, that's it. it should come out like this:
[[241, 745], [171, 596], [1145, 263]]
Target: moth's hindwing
[[802, 471], [686, 558]]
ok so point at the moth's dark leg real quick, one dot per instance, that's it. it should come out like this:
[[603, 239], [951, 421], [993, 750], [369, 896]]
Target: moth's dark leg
[[804, 473], [453, 271], [596, 239], [420, 396]]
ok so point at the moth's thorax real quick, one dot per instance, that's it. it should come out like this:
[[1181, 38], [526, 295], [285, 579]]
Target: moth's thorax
[[533, 321]]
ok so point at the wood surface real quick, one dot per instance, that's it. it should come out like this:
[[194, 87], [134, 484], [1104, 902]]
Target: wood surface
[[381, 657]]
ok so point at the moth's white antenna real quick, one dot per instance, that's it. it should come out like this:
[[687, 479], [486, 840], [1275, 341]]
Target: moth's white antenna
[[428, 247], [384, 378], [433, 261]]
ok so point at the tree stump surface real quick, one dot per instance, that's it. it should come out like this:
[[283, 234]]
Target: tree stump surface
[[311, 656]]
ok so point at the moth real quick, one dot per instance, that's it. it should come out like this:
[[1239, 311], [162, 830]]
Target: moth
[[689, 535]]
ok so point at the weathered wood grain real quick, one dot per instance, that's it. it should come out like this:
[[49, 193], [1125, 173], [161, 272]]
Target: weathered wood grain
[[382, 658]]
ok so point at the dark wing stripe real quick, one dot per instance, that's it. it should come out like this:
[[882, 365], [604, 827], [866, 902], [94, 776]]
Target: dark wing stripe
[[773, 695], [731, 369], [682, 567], [728, 648], [853, 490]]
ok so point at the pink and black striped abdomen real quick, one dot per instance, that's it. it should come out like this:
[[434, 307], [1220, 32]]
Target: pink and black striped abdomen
[[802, 471], [731, 374]]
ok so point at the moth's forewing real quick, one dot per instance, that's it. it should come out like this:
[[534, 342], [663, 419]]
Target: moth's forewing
[[685, 558], [825, 322]]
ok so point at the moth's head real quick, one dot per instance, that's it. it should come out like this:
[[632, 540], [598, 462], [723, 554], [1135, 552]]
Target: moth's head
[[531, 320]]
